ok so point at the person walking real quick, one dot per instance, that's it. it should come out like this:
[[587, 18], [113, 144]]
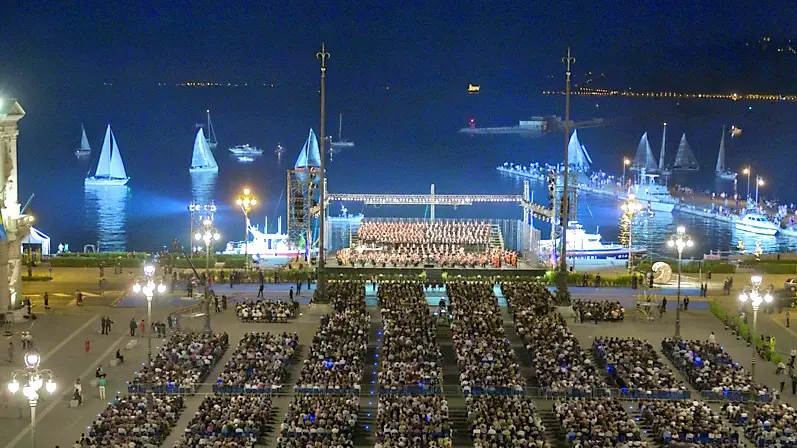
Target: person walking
[[782, 376], [102, 382], [216, 303], [10, 351], [686, 303], [712, 339], [290, 294], [108, 323], [142, 326], [78, 391], [46, 301], [224, 302], [104, 325], [87, 345], [793, 375], [132, 326], [260, 290]]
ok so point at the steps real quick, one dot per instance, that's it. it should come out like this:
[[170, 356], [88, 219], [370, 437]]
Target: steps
[[553, 430], [460, 427], [366, 430], [496, 237], [523, 356], [450, 366]]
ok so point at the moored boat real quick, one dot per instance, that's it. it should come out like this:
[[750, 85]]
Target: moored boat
[[757, 223], [85, 148], [585, 246], [110, 170]]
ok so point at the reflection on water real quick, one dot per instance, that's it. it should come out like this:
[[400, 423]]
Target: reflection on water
[[106, 211], [203, 186]]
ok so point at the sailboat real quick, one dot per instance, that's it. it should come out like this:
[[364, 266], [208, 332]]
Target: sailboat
[[644, 158], [84, 149], [202, 159], [110, 169], [663, 169], [340, 143], [722, 172], [685, 159], [577, 154], [280, 150], [213, 142]]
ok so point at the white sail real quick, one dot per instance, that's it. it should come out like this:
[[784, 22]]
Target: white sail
[[211, 140], [104, 164], [199, 156], [644, 158], [576, 157], [117, 166], [84, 141], [685, 159], [721, 156]]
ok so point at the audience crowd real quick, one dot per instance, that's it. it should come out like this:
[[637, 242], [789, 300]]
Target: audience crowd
[[486, 360], [601, 422], [690, 422], [412, 421], [562, 367], [637, 369], [229, 421], [598, 311], [709, 368], [136, 420], [504, 421], [259, 364], [410, 360], [184, 361], [767, 424], [267, 311], [319, 421]]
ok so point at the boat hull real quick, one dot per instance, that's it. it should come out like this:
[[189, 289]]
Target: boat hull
[[768, 231], [342, 144], [82, 152], [105, 181], [665, 207], [204, 170]]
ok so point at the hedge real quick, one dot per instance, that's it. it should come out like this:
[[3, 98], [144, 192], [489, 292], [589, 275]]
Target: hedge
[[103, 255], [775, 268], [692, 267], [93, 262], [744, 330], [36, 278], [577, 279]]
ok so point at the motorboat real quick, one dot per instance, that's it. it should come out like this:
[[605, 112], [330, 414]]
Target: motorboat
[[85, 148], [588, 246], [110, 170], [264, 246], [649, 192], [246, 150], [757, 223]]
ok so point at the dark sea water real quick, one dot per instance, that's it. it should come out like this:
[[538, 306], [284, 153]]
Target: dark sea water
[[405, 140]]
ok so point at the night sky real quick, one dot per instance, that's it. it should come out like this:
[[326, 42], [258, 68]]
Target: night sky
[[506, 44]]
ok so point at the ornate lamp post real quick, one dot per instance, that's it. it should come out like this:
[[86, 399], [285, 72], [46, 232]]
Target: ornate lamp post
[[630, 207], [32, 377], [209, 235], [747, 172], [148, 285], [679, 241], [246, 201], [752, 294], [626, 162]]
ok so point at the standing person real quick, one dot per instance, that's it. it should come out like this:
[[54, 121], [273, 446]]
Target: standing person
[[782, 376], [686, 303], [216, 303], [224, 302], [10, 351], [87, 345], [260, 291], [142, 326], [290, 294], [132, 326], [78, 391], [102, 382], [108, 323], [232, 279], [298, 287], [47, 300], [104, 325], [663, 306], [793, 375], [712, 339]]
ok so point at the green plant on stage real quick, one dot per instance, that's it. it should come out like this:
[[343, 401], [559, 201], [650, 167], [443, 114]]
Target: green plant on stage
[[744, 331]]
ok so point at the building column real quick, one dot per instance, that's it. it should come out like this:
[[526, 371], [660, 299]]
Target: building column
[[10, 248]]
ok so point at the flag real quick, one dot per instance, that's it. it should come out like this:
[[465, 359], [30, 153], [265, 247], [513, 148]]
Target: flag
[[735, 132]]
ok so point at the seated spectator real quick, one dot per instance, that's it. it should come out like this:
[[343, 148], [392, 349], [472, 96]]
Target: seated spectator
[[597, 422], [258, 364], [689, 422], [319, 421], [183, 362], [504, 421], [598, 310], [137, 420], [229, 421], [637, 368], [417, 421], [267, 311]]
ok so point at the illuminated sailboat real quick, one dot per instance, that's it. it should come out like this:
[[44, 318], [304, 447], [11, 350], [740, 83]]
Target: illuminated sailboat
[[644, 159], [202, 159], [85, 148], [110, 169], [212, 140], [722, 172], [685, 159], [336, 146]]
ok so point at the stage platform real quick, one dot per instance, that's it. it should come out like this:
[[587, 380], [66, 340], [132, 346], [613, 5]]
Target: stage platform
[[523, 269]]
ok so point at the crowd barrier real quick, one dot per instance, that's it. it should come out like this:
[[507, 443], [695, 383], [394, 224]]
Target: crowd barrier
[[168, 389], [246, 390]]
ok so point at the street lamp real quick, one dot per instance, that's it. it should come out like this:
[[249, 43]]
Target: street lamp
[[759, 182], [747, 172], [752, 294], [630, 207], [626, 162], [32, 377], [246, 201], [208, 235], [679, 241], [148, 285]]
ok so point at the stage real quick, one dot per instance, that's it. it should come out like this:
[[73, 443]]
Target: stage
[[433, 272]]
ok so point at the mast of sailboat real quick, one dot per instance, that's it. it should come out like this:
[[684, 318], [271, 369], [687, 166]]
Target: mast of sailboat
[[212, 141], [340, 128], [663, 141]]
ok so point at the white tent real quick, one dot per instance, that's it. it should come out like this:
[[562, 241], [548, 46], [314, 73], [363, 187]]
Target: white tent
[[35, 237]]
